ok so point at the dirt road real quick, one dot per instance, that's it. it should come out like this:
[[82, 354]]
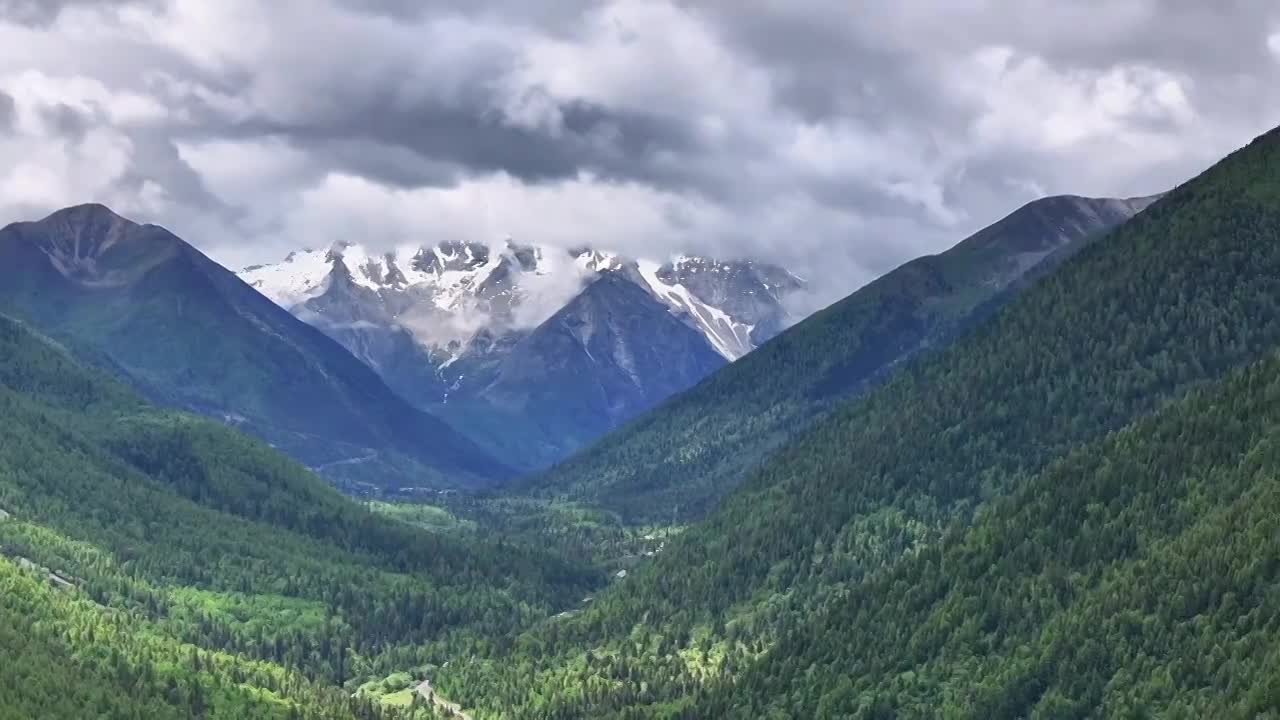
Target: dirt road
[[428, 693]]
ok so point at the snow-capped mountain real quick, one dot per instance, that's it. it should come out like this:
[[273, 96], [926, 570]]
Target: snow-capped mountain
[[445, 294], [441, 323]]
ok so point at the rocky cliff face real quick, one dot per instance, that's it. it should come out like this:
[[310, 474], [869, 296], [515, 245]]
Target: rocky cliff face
[[611, 353]]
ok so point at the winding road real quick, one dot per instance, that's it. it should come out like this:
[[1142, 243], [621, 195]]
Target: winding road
[[349, 461]]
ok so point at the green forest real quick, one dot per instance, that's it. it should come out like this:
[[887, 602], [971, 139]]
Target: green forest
[[244, 585], [1177, 298], [674, 464], [1067, 508]]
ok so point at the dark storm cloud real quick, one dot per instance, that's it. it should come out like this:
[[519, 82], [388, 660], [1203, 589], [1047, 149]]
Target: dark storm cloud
[[879, 62], [8, 111], [157, 162], [43, 12], [821, 70], [67, 121], [547, 15], [849, 136], [434, 145], [384, 120], [830, 36]]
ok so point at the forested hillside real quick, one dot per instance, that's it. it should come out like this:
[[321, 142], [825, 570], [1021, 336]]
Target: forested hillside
[[1134, 577], [584, 361], [677, 461], [156, 564], [1179, 296], [146, 305]]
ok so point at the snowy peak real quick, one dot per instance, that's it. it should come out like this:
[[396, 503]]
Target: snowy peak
[[737, 305], [301, 274], [731, 338], [590, 260], [534, 349], [609, 354], [379, 272], [451, 257], [446, 294]]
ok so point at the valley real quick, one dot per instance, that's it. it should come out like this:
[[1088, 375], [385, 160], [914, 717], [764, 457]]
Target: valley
[[618, 360], [721, 595], [755, 590], [567, 598], [677, 463]]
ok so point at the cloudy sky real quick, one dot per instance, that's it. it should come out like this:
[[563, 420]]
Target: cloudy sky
[[839, 137]]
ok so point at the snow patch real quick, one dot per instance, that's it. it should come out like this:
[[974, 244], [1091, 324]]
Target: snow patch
[[730, 338], [289, 283]]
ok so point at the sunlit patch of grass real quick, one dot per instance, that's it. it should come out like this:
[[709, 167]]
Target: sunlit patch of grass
[[427, 517], [404, 698]]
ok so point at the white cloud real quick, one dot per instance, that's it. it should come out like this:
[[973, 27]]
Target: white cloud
[[584, 211], [41, 172], [36, 93], [1024, 100], [648, 56], [244, 172], [839, 142], [44, 166], [294, 53]]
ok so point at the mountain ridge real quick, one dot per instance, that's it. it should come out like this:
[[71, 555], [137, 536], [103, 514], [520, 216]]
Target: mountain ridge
[[613, 351], [1124, 328], [439, 322], [193, 334], [459, 277], [677, 460]]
